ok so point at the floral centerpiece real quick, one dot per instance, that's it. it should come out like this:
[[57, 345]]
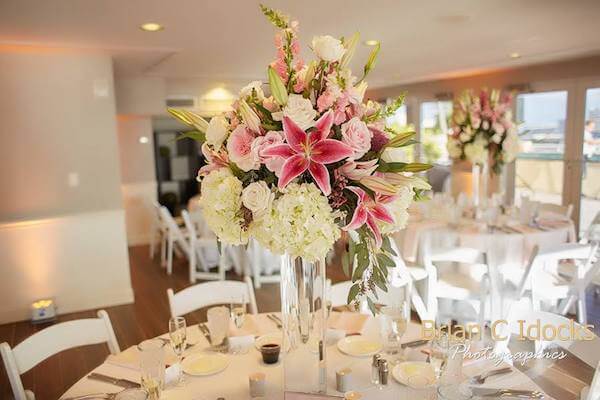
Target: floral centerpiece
[[483, 129], [295, 167]]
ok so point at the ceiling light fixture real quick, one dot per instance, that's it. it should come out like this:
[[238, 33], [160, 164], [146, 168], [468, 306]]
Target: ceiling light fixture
[[514, 55], [143, 139], [151, 27], [371, 42]]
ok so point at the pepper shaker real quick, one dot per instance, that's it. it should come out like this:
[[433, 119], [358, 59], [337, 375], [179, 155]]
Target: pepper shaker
[[375, 369], [383, 372]]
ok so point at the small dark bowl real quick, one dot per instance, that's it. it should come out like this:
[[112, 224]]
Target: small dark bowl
[[270, 353]]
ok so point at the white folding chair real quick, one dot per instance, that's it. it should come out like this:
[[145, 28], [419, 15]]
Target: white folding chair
[[593, 392], [212, 293], [265, 265], [175, 237], [565, 211], [158, 231], [465, 283], [53, 340], [204, 251], [542, 283], [586, 350]]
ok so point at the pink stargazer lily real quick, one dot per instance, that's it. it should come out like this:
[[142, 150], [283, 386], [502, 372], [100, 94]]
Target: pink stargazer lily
[[369, 210], [308, 151]]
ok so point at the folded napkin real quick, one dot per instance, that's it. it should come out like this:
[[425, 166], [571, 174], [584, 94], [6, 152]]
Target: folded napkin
[[347, 321], [254, 325]]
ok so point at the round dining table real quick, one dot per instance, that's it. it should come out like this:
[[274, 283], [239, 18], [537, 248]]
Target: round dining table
[[232, 383]]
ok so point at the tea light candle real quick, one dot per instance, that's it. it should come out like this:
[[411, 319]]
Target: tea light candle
[[342, 379], [258, 384], [352, 396]]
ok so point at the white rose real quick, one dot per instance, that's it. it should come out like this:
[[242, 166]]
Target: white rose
[[299, 110], [394, 154], [258, 198], [217, 131], [247, 90], [328, 48]]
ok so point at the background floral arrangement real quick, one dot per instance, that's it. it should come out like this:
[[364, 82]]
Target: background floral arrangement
[[483, 129], [295, 168]]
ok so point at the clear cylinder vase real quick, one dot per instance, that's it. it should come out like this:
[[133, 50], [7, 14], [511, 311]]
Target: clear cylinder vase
[[476, 177], [304, 317], [485, 184]]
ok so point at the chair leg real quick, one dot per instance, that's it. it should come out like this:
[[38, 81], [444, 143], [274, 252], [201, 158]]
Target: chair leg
[[170, 256], [152, 242]]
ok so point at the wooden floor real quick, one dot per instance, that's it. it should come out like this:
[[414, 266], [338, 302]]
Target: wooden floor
[[146, 318]]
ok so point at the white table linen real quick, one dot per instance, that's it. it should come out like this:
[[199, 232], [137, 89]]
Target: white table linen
[[232, 384]]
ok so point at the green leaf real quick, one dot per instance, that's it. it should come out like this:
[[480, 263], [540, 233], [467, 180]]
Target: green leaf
[[391, 167], [189, 118], [391, 108], [371, 306], [353, 292], [380, 280], [362, 263], [277, 87], [387, 245], [195, 135], [400, 139], [385, 261], [346, 263]]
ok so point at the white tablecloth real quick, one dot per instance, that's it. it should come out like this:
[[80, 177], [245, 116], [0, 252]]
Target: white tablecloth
[[232, 384]]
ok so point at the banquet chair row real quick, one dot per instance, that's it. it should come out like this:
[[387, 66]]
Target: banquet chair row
[[51, 341], [212, 293]]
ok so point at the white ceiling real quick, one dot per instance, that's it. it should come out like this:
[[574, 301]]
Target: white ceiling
[[230, 41]]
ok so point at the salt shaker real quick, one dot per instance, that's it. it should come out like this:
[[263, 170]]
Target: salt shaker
[[375, 369], [383, 372]]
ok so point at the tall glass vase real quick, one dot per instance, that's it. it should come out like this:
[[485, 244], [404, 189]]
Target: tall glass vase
[[485, 184], [481, 185], [303, 312], [476, 177]]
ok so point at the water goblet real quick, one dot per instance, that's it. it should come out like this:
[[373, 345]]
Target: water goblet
[[395, 320], [178, 336], [152, 366]]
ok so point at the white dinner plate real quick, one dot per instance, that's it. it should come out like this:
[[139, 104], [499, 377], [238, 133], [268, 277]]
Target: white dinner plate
[[203, 364], [269, 338], [359, 346], [415, 374]]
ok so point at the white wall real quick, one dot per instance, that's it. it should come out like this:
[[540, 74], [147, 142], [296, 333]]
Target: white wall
[[62, 228], [138, 177], [140, 95]]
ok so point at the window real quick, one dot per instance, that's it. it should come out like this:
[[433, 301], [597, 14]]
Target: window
[[539, 167], [590, 185], [399, 123], [435, 120]]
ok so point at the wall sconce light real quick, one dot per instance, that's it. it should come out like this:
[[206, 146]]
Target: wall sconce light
[[43, 310]]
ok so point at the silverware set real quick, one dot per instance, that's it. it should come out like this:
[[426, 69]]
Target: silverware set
[[124, 383], [512, 393], [276, 320]]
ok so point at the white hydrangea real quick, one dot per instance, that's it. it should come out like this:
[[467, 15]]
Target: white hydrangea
[[454, 148], [477, 151], [221, 202], [399, 210], [300, 223]]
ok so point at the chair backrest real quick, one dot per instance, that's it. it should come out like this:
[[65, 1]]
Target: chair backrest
[[557, 209], [586, 350], [174, 230], [53, 340], [592, 234], [552, 255], [212, 293], [466, 255]]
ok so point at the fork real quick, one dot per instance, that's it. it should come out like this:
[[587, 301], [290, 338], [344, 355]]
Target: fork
[[480, 379], [275, 320], [204, 330]]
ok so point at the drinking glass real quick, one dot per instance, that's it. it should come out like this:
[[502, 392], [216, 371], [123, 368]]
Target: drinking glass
[[395, 321], [178, 335], [218, 324], [238, 314], [439, 354], [152, 365]]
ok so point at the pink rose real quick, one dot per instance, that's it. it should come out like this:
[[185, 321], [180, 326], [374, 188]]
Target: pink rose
[[273, 163], [356, 134], [356, 170], [239, 147]]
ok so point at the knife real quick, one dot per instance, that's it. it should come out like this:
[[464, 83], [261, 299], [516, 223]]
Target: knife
[[124, 383], [414, 343], [515, 393]]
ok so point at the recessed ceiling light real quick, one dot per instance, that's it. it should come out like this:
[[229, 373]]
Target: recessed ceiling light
[[514, 55], [371, 42], [151, 27], [143, 139]]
